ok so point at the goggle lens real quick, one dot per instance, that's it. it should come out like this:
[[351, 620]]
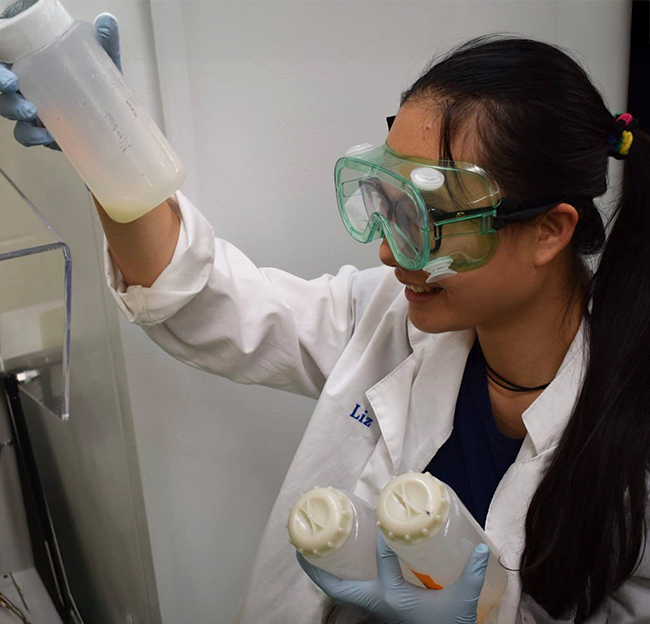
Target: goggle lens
[[357, 215], [400, 214]]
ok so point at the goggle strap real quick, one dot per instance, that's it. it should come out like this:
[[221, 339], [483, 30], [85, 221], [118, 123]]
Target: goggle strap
[[459, 215], [502, 220]]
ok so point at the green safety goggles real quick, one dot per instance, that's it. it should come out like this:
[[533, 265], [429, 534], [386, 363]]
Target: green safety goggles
[[438, 216]]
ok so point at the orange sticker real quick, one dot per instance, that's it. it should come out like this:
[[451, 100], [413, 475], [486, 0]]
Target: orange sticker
[[426, 580]]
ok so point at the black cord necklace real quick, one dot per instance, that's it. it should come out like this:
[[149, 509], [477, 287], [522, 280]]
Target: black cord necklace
[[501, 381]]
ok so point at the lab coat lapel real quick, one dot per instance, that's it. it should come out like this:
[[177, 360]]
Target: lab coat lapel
[[546, 418], [441, 363], [414, 404], [545, 421], [390, 399]]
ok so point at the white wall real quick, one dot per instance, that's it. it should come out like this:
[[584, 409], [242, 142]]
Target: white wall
[[277, 92]]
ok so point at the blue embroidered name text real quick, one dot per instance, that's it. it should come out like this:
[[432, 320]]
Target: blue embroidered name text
[[362, 417]]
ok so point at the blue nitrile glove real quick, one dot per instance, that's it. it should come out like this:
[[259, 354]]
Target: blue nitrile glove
[[396, 601], [29, 128]]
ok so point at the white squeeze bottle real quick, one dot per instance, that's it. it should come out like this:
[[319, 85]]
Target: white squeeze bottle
[[93, 115], [433, 534], [335, 531]]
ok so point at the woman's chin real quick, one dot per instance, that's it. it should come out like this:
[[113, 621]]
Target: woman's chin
[[431, 322]]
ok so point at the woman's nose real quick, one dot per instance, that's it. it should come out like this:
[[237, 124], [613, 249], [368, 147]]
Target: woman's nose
[[386, 255]]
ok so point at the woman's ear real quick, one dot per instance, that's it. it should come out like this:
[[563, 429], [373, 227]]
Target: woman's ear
[[554, 232]]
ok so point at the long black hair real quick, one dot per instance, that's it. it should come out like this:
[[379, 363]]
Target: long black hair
[[543, 133]]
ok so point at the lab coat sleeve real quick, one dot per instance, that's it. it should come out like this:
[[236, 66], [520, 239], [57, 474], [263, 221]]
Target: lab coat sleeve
[[214, 309], [629, 605]]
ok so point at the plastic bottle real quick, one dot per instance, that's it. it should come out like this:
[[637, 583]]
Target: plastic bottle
[[433, 534], [93, 115], [335, 531]]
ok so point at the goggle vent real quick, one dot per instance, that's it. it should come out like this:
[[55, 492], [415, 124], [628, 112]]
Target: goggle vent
[[427, 179]]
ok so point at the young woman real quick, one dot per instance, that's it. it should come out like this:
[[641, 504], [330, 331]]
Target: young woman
[[483, 350]]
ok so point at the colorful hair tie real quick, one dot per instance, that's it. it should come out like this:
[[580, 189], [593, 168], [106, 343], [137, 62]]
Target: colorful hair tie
[[620, 138]]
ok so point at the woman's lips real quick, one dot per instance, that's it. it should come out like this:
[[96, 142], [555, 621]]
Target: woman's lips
[[423, 297]]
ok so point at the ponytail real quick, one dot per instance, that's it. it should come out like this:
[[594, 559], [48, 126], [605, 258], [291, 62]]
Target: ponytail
[[586, 525]]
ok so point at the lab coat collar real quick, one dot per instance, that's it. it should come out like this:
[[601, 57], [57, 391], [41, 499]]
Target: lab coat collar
[[546, 418], [415, 403]]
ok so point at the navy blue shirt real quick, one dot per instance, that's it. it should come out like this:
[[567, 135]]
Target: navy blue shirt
[[477, 455]]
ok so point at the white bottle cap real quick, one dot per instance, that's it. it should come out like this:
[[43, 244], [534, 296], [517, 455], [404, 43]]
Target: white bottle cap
[[359, 149], [32, 29], [320, 521], [427, 179], [412, 508]]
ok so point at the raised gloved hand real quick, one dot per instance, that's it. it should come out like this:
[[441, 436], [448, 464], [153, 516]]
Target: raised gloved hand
[[396, 601], [29, 128]]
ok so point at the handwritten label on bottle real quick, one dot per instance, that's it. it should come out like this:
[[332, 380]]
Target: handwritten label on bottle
[[123, 140]]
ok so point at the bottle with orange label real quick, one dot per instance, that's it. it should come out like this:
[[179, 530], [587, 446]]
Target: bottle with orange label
[[433, 534]]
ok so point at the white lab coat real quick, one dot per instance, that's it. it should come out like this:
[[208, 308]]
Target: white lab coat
[[345, 340]]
